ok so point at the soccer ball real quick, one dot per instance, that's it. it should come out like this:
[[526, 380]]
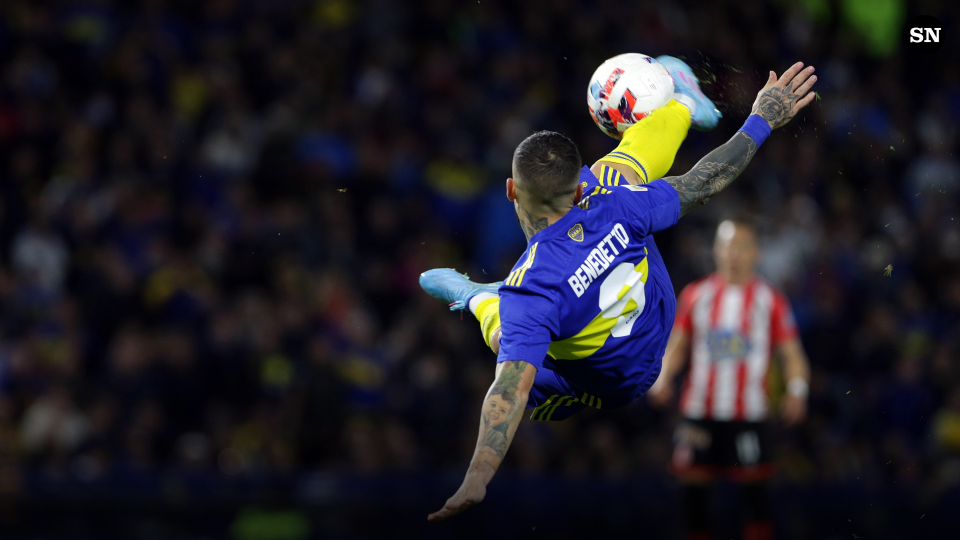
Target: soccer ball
[[626, 88]]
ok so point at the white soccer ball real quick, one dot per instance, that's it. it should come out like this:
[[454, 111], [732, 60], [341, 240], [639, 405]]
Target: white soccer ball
[[626, 88]]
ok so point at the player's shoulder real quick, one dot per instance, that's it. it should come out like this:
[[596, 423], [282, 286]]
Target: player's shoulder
[[539, 268], [697, 286], [779, 297]]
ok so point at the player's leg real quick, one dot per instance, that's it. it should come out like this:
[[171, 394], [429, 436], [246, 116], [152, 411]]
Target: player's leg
[[553, 398], [750, 463], [759, 525], [648, 148], [695, 461], [696, 510]]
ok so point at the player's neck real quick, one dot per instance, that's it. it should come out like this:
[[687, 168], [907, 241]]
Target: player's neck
[[741, 278], [534, 221]]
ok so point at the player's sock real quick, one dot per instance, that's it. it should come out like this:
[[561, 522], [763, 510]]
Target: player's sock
[[475, 301], [486, 307], [649, 146], [687, 102]]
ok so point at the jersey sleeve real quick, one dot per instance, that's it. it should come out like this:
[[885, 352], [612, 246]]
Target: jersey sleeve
[[651, 207], [528, 319], [684, 318], [783, 327]]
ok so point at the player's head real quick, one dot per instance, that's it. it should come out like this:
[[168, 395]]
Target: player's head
[[498, 406], [546, 173], [735, 249]]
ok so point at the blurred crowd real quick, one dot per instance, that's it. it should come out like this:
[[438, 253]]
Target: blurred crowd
[[213, 215]]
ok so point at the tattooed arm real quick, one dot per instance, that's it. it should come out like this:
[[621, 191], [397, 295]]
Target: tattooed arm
[[499, 419], [778, 101]]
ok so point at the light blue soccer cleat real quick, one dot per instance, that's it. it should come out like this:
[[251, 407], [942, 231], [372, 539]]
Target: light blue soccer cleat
[[686, 83], [453, 287]]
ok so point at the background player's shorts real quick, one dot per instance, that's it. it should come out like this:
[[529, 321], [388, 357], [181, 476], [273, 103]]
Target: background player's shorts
[[552, 398], [737, 451]]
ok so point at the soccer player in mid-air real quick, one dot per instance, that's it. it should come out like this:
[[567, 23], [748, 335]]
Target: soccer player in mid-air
[[584, 317]]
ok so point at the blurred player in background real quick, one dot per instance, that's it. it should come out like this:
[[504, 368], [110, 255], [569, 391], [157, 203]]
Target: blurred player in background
[[729, 324], [564, 344]]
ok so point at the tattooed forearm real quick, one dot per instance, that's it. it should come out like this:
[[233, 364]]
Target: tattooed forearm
[[501, 409], [714, 172], [777, 102]]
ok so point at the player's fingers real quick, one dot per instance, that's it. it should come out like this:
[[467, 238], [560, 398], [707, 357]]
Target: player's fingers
[[789, 74], [801, 77], [806, 86], [771, 80], [804, 102]]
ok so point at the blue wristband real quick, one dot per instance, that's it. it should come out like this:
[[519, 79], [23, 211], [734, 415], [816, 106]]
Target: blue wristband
[[757, 128]]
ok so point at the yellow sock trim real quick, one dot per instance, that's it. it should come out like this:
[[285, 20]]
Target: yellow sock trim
[[649, 146], [488, 313]]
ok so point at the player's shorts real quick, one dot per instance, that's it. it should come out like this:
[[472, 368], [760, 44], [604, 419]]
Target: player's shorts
[[708, 449], [552, 398]]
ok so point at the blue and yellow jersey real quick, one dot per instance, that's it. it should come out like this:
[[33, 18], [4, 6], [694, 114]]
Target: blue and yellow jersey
[[591, 298]]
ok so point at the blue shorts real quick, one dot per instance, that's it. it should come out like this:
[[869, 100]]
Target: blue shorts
[[553, 398]]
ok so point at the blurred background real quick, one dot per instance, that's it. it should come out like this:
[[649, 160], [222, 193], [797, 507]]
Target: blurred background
[[213, 214]]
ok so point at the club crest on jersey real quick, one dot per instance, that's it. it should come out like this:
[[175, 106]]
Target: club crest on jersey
[[576, 233]]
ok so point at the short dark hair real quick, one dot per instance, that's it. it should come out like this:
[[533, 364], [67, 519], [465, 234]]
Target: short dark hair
[[547, 165]]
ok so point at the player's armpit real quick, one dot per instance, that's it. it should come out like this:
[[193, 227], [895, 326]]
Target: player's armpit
[[500, 416]]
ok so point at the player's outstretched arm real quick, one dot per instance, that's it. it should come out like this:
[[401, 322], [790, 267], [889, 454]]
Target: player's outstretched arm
[[778, 101], [499, 419]]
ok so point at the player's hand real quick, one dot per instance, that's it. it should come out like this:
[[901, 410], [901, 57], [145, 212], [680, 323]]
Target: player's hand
[[470, 493], [781, 99], [660, 395], [794, 409]]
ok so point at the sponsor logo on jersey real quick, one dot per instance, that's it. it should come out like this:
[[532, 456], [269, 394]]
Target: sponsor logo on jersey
[[576, 233], [727, 345]]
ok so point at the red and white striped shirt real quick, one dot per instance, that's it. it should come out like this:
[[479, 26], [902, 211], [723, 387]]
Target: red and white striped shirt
[[733, 330]]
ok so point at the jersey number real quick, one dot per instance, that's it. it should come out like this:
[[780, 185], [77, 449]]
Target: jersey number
[[622, 298]]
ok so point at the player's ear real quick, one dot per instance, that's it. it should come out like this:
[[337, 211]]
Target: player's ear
[[511, 190], [578, 195]]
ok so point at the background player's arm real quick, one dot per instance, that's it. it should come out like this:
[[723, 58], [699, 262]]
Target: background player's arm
[[796, 367], [674, 360], [778, 101], [516, 379]]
